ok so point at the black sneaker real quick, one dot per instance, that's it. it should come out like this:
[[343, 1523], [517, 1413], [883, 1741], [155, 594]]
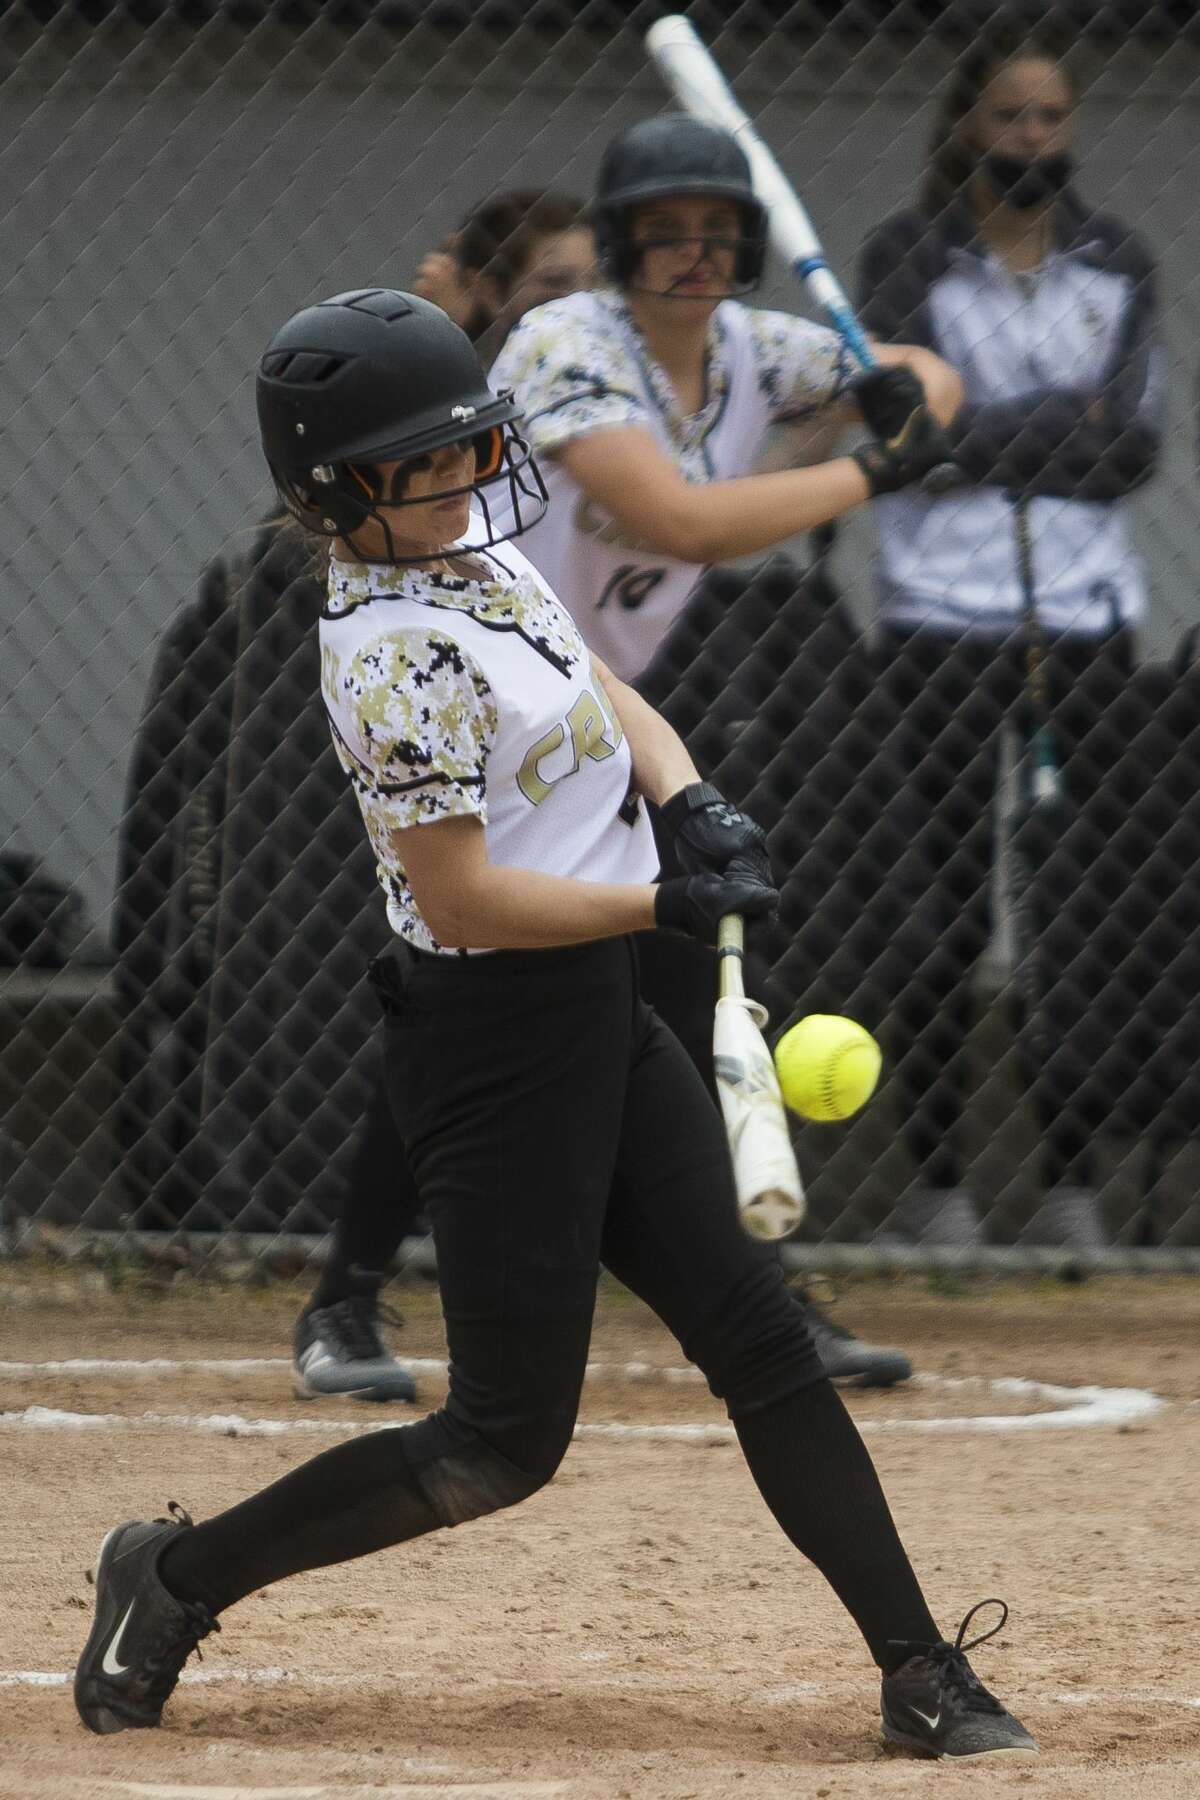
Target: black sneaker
[[845, 1357], [935, 1702], [142, 1635], [338, 1350]]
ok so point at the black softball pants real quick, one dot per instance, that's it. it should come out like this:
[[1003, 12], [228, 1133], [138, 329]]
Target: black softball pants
[[951, 696], [553, 1123], [382, 1202]]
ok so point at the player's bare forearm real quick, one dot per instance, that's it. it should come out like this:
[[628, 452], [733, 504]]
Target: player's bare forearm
[[740, 518], [470, 903], [629, 477], [661, 764]]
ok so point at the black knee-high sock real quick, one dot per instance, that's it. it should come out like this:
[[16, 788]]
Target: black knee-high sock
[[808, 1460], [813, 1471], [347, 1502]]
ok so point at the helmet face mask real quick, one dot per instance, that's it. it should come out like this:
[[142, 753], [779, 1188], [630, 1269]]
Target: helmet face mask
[[670, 158], [339, 499], [625, 258], [491, 451], [380, 377]]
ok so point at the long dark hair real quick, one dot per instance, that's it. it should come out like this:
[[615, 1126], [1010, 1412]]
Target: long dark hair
[[950, 162], [497, 236]]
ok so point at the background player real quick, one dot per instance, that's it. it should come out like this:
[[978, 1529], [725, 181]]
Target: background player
[[1049, 310], [553, 1121], [514, 250], [648, 397], [647, 400]]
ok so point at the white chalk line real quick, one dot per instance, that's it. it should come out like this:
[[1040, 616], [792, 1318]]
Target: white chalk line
[[233, 1425], [1139, 1696], [1090, 1407], [1074, 1407], [325, 1790], [262, 1365], [788, 1694]]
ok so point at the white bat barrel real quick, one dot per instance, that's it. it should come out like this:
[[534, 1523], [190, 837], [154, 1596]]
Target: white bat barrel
[[770, 1193]]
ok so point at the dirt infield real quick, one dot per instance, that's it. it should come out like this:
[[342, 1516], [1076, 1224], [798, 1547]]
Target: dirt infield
[[640, 1630]]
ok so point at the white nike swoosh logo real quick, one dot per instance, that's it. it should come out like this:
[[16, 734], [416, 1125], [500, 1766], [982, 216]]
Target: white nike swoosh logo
[[110, 1665], [925, 1718], [315, 1357]]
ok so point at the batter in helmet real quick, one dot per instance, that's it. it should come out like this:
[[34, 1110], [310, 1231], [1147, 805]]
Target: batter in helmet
[[376, 419], [671, 159], [553, 1120]]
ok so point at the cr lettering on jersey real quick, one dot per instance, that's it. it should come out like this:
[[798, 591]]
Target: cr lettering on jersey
[[591, 729]]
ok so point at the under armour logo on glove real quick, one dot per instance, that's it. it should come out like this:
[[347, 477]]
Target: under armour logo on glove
[[709, 833]]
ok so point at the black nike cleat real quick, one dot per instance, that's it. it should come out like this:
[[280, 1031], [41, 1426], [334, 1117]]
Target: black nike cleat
[[935, 1702], [142, 1635], [339, 1351]]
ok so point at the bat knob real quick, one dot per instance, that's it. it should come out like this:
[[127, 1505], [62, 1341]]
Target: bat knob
[[772, 1215]]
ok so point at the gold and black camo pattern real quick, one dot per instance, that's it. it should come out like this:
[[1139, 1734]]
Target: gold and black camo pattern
[[419, 717], [576, 377], [423, 710], [511, 604]]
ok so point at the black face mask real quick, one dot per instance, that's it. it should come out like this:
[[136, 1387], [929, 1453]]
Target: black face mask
[[1028, 184]]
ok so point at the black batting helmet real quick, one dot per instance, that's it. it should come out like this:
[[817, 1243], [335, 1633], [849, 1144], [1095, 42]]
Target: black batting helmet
[[674, 154], [376, 376]]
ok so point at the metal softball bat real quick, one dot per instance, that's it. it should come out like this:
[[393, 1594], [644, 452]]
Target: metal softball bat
[[690, 72], [770, 1193]]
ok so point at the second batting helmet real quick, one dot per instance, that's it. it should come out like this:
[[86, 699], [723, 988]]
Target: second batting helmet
[[670, 155]]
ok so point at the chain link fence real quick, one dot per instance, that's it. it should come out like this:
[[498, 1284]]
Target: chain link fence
[[187, 903]]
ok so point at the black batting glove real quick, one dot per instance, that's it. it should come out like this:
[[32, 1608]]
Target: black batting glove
[[887, 398], [708, 832], [696, 904], [909, 441]]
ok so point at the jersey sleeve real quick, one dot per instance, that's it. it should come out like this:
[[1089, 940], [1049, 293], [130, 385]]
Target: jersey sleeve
[[569, 379], [801, 366], [414, 720]]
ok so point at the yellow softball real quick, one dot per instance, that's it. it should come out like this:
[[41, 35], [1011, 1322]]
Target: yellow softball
[[827, 1066]]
